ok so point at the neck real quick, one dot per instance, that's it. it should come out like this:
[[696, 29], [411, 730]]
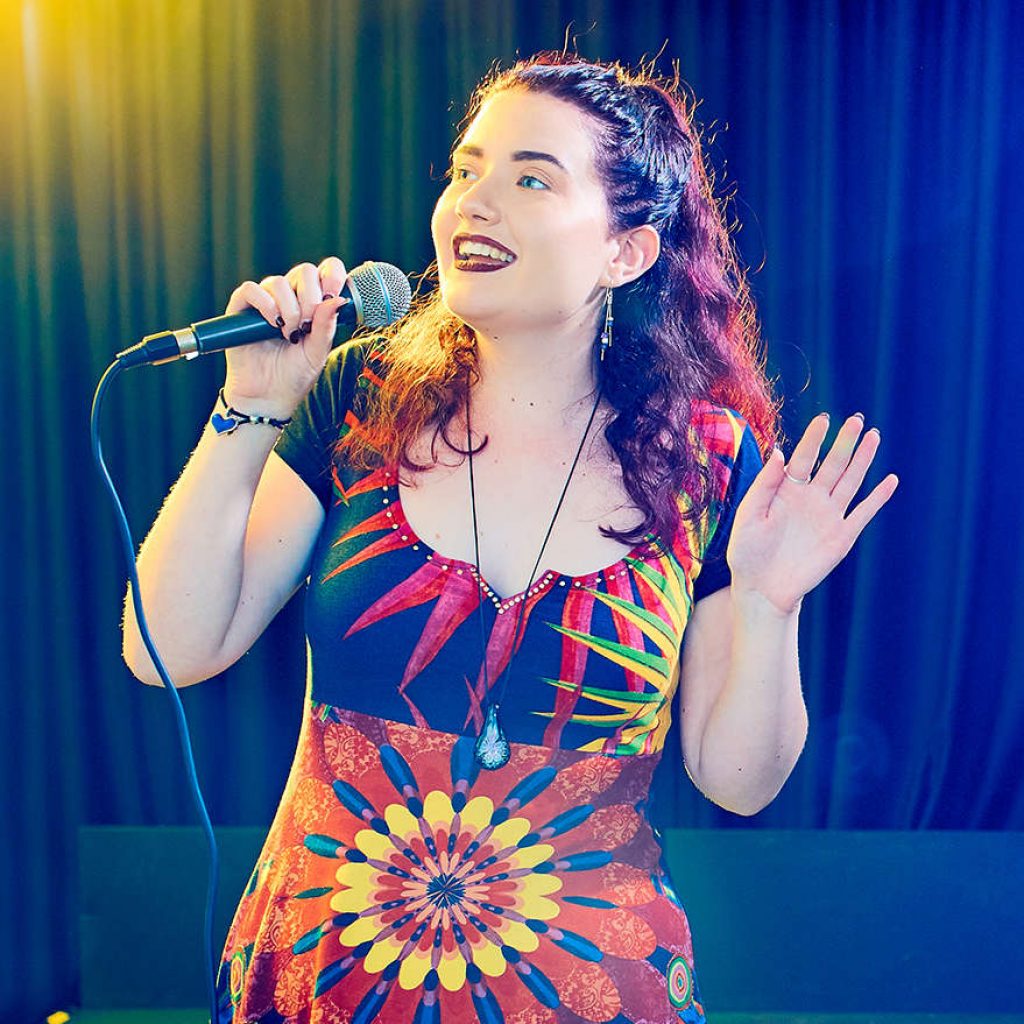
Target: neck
[[534, 379]]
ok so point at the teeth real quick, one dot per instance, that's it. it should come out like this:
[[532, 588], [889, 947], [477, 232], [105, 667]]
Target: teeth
[[479, 249]]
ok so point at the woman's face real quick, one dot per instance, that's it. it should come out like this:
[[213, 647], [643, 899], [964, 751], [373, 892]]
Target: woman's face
[[523, 181]]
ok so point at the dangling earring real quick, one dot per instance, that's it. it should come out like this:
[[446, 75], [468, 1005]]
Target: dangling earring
[[606, 333]]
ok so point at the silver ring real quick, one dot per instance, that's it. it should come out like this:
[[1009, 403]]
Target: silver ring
[[795, 479]]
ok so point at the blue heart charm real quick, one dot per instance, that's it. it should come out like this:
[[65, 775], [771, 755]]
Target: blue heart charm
[[223, 425]]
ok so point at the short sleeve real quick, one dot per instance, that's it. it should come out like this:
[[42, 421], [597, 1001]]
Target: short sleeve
[[307, 443], [746, 463]]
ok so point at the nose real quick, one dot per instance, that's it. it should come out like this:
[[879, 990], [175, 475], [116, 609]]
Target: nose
[[476, 201]]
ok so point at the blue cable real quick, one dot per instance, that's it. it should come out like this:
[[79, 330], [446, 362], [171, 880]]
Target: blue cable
[[172, 693]]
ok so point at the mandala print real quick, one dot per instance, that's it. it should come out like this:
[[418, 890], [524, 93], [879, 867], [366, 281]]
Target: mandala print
[[450, 895]]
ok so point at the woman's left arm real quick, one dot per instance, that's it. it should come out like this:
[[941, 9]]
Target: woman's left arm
[[788, 534], [755, 729]]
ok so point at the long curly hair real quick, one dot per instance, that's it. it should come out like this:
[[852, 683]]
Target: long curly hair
[[685, 331]]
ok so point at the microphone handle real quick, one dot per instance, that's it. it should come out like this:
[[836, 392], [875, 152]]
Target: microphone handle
[[221, 332], [213, 335]]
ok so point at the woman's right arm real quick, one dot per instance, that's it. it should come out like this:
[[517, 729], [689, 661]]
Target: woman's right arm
[[233, 540]]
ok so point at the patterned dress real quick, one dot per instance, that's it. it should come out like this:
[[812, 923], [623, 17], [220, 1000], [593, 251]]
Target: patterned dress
[[399, 881]]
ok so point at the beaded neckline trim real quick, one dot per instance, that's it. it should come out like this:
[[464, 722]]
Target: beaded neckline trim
[[392, 503]]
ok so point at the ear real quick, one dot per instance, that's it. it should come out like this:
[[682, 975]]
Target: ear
[[636, 251]]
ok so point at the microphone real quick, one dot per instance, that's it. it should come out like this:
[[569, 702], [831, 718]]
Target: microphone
[[379, 295]]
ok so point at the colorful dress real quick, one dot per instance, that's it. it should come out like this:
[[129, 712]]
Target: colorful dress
[[399, 881]]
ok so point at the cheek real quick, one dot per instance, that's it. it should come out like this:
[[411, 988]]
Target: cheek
[[437, 223], [575, 260], [442, 218], [582, 238]]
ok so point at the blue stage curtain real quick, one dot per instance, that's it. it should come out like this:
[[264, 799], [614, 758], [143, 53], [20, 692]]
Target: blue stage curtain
[[153, 155]]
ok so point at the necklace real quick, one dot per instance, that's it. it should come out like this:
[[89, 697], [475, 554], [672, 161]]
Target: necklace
[[492, 749]]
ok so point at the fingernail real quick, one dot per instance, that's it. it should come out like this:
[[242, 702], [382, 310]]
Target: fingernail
[[328, 295], [280, 321], [861, 415], [295, 337], [307, 326], [877, 431]]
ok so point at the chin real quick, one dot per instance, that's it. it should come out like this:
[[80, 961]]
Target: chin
[[479, 311], [473, 316]]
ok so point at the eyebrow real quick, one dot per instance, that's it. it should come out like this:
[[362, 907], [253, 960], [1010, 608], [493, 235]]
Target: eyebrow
[[518, 155]]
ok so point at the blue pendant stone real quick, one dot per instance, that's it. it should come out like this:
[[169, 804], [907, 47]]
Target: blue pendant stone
[[492, 749]]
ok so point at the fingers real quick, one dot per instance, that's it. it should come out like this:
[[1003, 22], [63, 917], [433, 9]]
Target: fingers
[[844, 468], [332, 276], [762, 491], [835, 464], [290, 301], [840, 463], [801, 463], [286, 303], [304, 278], [250, 295], [317, 344], [856, 469], [864, 512], [312, 285]]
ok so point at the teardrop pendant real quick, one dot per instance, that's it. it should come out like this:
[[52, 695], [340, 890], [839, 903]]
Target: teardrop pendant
[[492, 749]]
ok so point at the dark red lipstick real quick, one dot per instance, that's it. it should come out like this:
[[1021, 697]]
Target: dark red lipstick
[[481, 262]]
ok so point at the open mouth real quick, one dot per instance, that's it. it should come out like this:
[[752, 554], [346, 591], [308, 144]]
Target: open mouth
[[477, 252]]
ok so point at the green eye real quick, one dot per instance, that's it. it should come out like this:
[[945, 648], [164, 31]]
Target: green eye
[[530, 177]]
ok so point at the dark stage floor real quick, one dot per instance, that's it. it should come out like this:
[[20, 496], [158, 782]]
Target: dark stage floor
[[187, 1016]]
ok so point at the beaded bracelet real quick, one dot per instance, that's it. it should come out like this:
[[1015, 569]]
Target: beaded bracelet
[[229, 423]]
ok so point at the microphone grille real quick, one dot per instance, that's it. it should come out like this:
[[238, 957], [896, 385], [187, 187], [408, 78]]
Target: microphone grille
[[380, 292]]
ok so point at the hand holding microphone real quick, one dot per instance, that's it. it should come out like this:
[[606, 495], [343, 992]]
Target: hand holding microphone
[[302, 307]]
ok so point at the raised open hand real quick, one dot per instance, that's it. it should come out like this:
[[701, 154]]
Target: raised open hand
[[791, 529]]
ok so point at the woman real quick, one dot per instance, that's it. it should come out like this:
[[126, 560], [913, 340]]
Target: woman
[[509, 508]]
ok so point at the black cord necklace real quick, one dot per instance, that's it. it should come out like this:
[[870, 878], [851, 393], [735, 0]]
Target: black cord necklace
[[492, 749]]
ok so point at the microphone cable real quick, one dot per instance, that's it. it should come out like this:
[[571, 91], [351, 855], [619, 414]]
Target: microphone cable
[[128, 546]]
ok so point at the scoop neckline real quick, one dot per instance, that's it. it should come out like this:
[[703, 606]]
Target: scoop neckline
[[621, 565]]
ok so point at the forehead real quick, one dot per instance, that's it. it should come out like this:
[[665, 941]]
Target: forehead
[[515, 119]]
